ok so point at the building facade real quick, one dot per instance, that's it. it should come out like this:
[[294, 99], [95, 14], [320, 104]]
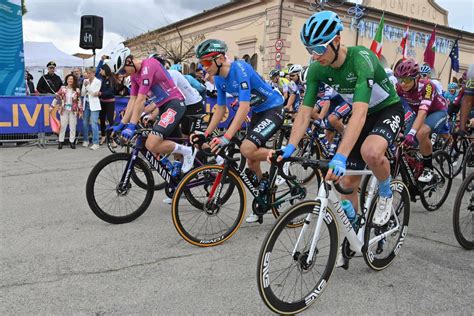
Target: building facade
[[252, 30]]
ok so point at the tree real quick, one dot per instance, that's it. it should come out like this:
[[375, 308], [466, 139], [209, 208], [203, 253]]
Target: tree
[[176, 50]]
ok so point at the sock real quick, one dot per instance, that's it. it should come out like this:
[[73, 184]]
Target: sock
[[384, 188], [428, 161], [181, 149]]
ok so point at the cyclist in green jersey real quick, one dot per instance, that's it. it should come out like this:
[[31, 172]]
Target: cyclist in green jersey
[[377, 114]]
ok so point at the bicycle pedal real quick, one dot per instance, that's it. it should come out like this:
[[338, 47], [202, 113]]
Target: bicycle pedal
[[260, 219]]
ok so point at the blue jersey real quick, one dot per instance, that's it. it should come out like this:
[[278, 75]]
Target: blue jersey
[[245, 84], [195, 84]]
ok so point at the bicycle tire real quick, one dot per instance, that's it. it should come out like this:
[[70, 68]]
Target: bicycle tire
[[455, 152], [442, 176], [466, 186], [468, 160], [269, 270], [99, 208], [199, 214], [373, 260]]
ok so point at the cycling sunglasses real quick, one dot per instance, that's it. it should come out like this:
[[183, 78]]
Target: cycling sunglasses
[[405, 80], [208, 62], [319, 49]]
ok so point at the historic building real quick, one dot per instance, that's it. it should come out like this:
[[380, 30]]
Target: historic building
[[252, 30]]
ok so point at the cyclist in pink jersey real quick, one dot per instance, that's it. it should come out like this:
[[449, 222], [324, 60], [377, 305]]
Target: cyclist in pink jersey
[[150, 81], [430, 112]]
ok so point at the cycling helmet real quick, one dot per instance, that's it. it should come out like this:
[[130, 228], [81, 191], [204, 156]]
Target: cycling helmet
[[452, 85], [118, 57], [210, 47], [320, 28], [425, 69], [273, 73], [177, 67], [295, 69], [407, 68]]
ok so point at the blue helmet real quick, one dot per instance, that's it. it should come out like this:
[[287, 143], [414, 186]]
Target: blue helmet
[[320, 28], [452, 85], [177, 67], [425, 69]]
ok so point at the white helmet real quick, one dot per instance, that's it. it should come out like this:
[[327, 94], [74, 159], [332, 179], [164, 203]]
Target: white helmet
[[295, 69], [118, 57], [304, 73]]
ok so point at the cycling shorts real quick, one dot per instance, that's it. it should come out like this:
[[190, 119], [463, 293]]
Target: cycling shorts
[[264, 125], [436, 121], [169, 117], [196, 108]]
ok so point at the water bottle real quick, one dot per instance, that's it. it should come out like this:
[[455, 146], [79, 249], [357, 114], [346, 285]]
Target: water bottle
[[167, 163], [350, 211], [176, 169]]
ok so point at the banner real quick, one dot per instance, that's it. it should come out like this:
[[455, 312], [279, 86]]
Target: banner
[[12, 61], [30, 115]]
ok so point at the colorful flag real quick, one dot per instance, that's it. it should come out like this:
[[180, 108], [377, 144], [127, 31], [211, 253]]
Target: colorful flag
[[403, 44], [377, 43], [429, 56], [454, 55]]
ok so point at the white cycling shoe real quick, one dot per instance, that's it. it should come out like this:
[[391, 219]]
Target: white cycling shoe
[[252, 218], [383, 211], [188, 161]]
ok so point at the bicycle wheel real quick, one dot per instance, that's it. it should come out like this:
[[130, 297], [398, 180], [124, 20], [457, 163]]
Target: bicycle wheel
[[455, 150], [108, 200], [380, 254], [206, 222], [287, 283], [140, 179], [463, 214], [434, 193], [468, 162]]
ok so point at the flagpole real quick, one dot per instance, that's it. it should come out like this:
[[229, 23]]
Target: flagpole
[[450, 71]]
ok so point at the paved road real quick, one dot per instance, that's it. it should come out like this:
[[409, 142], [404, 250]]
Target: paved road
[[58, 258]]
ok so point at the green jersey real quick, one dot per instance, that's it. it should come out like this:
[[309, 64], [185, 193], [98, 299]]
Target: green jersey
[[361, 78]]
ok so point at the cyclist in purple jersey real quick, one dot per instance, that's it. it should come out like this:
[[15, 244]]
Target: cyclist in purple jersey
[[430, 112], [150, 80]]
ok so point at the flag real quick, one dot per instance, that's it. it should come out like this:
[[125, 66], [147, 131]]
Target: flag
[[454, 55], [376, 46], [403, 44], [429, 56]]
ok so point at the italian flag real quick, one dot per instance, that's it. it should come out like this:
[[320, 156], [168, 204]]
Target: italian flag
[[403, 44], [429, 55], [377, 43]]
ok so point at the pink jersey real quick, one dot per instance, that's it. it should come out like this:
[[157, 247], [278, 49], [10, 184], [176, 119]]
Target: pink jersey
[[155, 82], [424, 97]]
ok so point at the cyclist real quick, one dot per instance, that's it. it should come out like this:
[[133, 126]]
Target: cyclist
[[149, 79], [467, 99], [278, 83], [425, 76], [429, 108], [377, 114], [240, 80], [295, 87]]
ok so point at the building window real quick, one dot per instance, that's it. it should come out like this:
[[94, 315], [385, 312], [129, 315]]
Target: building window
[[246, 58], [253, 61]]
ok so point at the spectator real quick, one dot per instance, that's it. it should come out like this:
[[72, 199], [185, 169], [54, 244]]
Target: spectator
[[70, 97], [90, 91], [121, 88], [199, 74], [29, 85], [51, 82], [79, 77], [107, 98]]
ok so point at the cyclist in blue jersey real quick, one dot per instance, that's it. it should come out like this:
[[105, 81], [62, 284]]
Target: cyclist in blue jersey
[[240, 80]]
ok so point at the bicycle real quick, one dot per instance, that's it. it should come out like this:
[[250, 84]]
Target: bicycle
[[294, 267], [214, 219], [117, 177], [463, 213]]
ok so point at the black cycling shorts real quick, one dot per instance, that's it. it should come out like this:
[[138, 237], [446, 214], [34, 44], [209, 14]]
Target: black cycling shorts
[[169, 117], [196, 108], [264, 125], [385, 123]]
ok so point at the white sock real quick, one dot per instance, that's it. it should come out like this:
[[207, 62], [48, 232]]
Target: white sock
[[183, 150]]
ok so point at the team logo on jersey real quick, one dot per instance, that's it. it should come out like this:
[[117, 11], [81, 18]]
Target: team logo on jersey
[[224, 86], [145, 71], [370, 83], [244, 85], [146, 82], [428, 91], [329, 79], [351, 77], [167, 118]]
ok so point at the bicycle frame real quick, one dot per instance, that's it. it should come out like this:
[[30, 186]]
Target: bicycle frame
[[325, 196]]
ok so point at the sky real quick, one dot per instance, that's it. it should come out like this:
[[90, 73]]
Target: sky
[[58, 21]]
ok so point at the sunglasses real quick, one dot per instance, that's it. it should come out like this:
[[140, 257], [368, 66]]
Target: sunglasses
[[208, 62], [405, 80], [319, 49], [423, 75], [51, 67], [293, 75]]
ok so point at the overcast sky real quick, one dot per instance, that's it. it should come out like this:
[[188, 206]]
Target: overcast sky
[[58, 21]]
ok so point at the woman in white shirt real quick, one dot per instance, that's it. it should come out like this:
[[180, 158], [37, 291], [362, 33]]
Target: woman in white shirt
[[90, 91]]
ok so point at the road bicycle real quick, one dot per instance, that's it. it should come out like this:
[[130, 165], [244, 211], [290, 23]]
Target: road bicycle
[[294, 265], [463, 213], [209, 219]]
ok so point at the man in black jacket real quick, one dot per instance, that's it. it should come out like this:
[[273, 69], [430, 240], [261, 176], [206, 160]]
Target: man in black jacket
[[49, 83]]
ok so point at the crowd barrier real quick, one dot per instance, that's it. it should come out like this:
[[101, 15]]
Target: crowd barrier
[[27, 118]]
